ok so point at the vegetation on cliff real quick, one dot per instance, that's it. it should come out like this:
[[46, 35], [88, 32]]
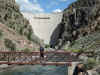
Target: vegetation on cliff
[[11, 18], [80, 20], [80, 29]]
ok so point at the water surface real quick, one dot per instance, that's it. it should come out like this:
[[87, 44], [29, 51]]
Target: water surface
[[37, 70]]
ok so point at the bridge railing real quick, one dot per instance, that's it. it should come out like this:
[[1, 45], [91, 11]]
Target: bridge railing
[[12, 57]]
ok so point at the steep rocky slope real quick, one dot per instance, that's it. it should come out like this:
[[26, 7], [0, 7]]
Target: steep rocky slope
[[11, 40], [80, 30], [11, 17], [80, 19]]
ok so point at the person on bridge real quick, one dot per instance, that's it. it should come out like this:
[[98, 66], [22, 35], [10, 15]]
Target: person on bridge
[[41, 52], [80, 70]]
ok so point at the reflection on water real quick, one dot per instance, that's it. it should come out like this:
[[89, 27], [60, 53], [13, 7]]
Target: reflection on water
[[37, 70]]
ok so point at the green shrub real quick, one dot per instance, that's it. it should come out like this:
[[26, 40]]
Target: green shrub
[[75, 50], [91, 63], [10, 45], [1, 33], [47, 46], [27, 50]]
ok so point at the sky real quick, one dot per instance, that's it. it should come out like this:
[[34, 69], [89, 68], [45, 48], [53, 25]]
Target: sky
[[43, 6]]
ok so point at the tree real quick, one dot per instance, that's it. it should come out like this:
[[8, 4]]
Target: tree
[[10, 45]]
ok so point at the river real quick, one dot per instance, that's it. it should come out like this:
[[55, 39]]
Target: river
[[36, 70]]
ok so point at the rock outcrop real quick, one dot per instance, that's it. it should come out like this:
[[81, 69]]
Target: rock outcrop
[[80, 27], [80, 19], [11, 17]]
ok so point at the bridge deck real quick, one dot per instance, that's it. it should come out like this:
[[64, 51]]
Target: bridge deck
[[22, 58]]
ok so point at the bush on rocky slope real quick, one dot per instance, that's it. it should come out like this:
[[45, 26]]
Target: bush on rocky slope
[[11, 16], [10, 44], [1, 33]]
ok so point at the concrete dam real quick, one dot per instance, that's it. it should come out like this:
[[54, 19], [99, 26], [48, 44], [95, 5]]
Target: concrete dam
[[44, 24]]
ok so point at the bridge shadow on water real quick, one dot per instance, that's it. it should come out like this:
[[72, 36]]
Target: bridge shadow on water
[[37, 70]]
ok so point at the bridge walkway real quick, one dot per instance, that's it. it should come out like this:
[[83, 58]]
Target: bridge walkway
[[33, 58]]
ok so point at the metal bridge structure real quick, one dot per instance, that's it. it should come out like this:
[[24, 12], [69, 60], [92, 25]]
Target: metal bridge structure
[[33, 58]]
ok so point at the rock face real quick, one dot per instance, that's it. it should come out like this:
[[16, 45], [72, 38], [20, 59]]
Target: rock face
[[11, 17], [81, 27], [80, 19]]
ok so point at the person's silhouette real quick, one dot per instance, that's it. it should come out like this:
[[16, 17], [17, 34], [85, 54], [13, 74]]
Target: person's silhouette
[[80, 70], [41, 53]]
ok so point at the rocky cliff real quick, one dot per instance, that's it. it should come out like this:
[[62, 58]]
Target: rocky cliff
[[80, 30], [11, 17], [80, 19]]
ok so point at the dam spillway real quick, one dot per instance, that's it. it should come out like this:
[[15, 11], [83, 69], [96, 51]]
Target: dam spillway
[[43, 24]]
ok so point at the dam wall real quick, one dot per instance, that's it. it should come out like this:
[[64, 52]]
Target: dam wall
[[44, 24]]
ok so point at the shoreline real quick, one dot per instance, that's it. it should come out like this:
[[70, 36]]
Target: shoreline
[[2, 69], [10, 67]]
